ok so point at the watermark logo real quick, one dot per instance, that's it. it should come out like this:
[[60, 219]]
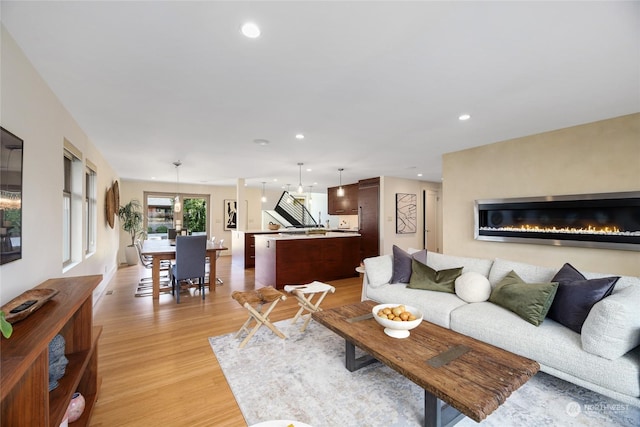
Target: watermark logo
[[573, 409], [602, 407]]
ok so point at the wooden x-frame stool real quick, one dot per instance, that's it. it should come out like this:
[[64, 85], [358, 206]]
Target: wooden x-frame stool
[[258, 298], [305, 302]]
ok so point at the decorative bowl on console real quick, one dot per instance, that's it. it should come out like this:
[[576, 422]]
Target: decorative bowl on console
[[408, 318]]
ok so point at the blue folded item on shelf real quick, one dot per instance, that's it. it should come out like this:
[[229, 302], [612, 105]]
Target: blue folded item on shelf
[[57, 360]]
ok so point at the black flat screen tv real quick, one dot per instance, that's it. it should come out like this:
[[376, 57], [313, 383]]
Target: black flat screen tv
[[11, 155]]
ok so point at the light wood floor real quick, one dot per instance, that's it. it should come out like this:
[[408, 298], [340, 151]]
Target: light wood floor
[[156, 365]]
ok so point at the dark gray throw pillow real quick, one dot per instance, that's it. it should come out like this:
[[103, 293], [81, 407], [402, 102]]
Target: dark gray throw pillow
[[576, 295], [402, 264]]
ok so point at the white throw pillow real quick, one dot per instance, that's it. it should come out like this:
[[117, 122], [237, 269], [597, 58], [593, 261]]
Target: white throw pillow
[[612, 327], [379, 270], [473, 287]]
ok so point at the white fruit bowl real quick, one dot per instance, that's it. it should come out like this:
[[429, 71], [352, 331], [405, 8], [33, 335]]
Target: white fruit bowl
[[394, 328]]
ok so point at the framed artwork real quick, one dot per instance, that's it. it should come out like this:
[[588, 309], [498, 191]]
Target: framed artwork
[[230, 214], [406, 213]]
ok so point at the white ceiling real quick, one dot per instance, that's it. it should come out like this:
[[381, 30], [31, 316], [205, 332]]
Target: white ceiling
[[376, 87]]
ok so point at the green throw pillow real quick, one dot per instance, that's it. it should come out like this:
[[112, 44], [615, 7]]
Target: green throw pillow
[[531, 301], [425, 277]]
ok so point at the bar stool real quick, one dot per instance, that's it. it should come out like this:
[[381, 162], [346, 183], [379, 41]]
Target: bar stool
[[305, 294], [258, 298]]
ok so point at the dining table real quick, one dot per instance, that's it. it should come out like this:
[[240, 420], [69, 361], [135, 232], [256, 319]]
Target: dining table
[[165, 249]]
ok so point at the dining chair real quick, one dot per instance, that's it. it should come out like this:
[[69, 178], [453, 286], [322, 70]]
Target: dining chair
[[218, 281], [191, 252], [147, 262]]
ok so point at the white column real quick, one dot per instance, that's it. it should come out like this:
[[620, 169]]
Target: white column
[[242, 206]]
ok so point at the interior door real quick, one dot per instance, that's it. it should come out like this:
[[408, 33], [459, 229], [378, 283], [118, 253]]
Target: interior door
[[432, 198]]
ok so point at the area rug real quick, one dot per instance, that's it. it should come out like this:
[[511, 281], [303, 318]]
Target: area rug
[[303, 378]]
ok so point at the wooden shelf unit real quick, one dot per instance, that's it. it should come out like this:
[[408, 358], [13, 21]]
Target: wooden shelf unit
[[25, 396]]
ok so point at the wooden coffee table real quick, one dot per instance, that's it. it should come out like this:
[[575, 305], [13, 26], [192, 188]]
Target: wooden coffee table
[[472, 378]]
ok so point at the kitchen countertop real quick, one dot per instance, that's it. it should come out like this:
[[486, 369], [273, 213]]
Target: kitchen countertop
[[297, 230], [260, 231], [302, 235]]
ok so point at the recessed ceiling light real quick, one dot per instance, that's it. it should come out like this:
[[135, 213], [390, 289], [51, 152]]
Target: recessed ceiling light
[[464, 117], [261, 141], [299, 136], [419, 174], [250, 30]]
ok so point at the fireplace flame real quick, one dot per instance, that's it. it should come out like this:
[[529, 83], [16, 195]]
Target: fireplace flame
[[607, 230]]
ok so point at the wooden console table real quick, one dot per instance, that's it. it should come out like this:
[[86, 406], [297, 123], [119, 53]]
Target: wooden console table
[[26, 400]]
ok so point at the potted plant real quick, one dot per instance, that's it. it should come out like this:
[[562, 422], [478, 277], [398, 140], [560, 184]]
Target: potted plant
[[5, 327], [131, 220]]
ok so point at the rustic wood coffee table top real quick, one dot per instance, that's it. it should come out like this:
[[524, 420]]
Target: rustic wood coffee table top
[[475, 382]]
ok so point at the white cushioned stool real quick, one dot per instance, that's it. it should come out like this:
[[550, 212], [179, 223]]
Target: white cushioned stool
[[305, 294]]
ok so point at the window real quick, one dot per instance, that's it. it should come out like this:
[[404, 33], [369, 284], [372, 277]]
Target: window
[[91, 207], [194, 214], [66, 210], [160, 216], [71, 205]]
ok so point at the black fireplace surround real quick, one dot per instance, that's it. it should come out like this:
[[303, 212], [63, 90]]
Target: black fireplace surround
[[609, 220]]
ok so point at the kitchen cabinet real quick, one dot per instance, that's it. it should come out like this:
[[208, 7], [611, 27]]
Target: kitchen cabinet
[[369, 217], [345, 205], [26, 400], [243, 249]]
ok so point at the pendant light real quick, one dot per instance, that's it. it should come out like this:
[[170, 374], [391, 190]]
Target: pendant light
[[300, 189], [289, 198], [263, 199], [177, 204], [340, 191], [309, 200]]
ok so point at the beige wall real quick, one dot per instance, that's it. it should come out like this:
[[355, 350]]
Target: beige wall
[[31, 111], [598, 157], [389, 186]]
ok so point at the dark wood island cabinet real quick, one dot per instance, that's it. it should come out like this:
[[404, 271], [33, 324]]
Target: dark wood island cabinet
[[299, 259]]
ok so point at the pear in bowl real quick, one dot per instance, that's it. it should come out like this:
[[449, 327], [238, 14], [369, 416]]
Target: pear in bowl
[[397, 319]]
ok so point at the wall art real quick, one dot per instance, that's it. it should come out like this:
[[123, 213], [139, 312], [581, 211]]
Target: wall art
[[406, 213]]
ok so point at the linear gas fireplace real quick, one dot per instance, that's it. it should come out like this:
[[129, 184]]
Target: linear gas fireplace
[[610, 220]]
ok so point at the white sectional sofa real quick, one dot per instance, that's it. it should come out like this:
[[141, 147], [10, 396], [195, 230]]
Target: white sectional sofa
[[604, 357]]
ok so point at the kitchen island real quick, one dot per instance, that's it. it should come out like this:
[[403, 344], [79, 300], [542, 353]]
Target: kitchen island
[[243, 247], [299, 258]]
